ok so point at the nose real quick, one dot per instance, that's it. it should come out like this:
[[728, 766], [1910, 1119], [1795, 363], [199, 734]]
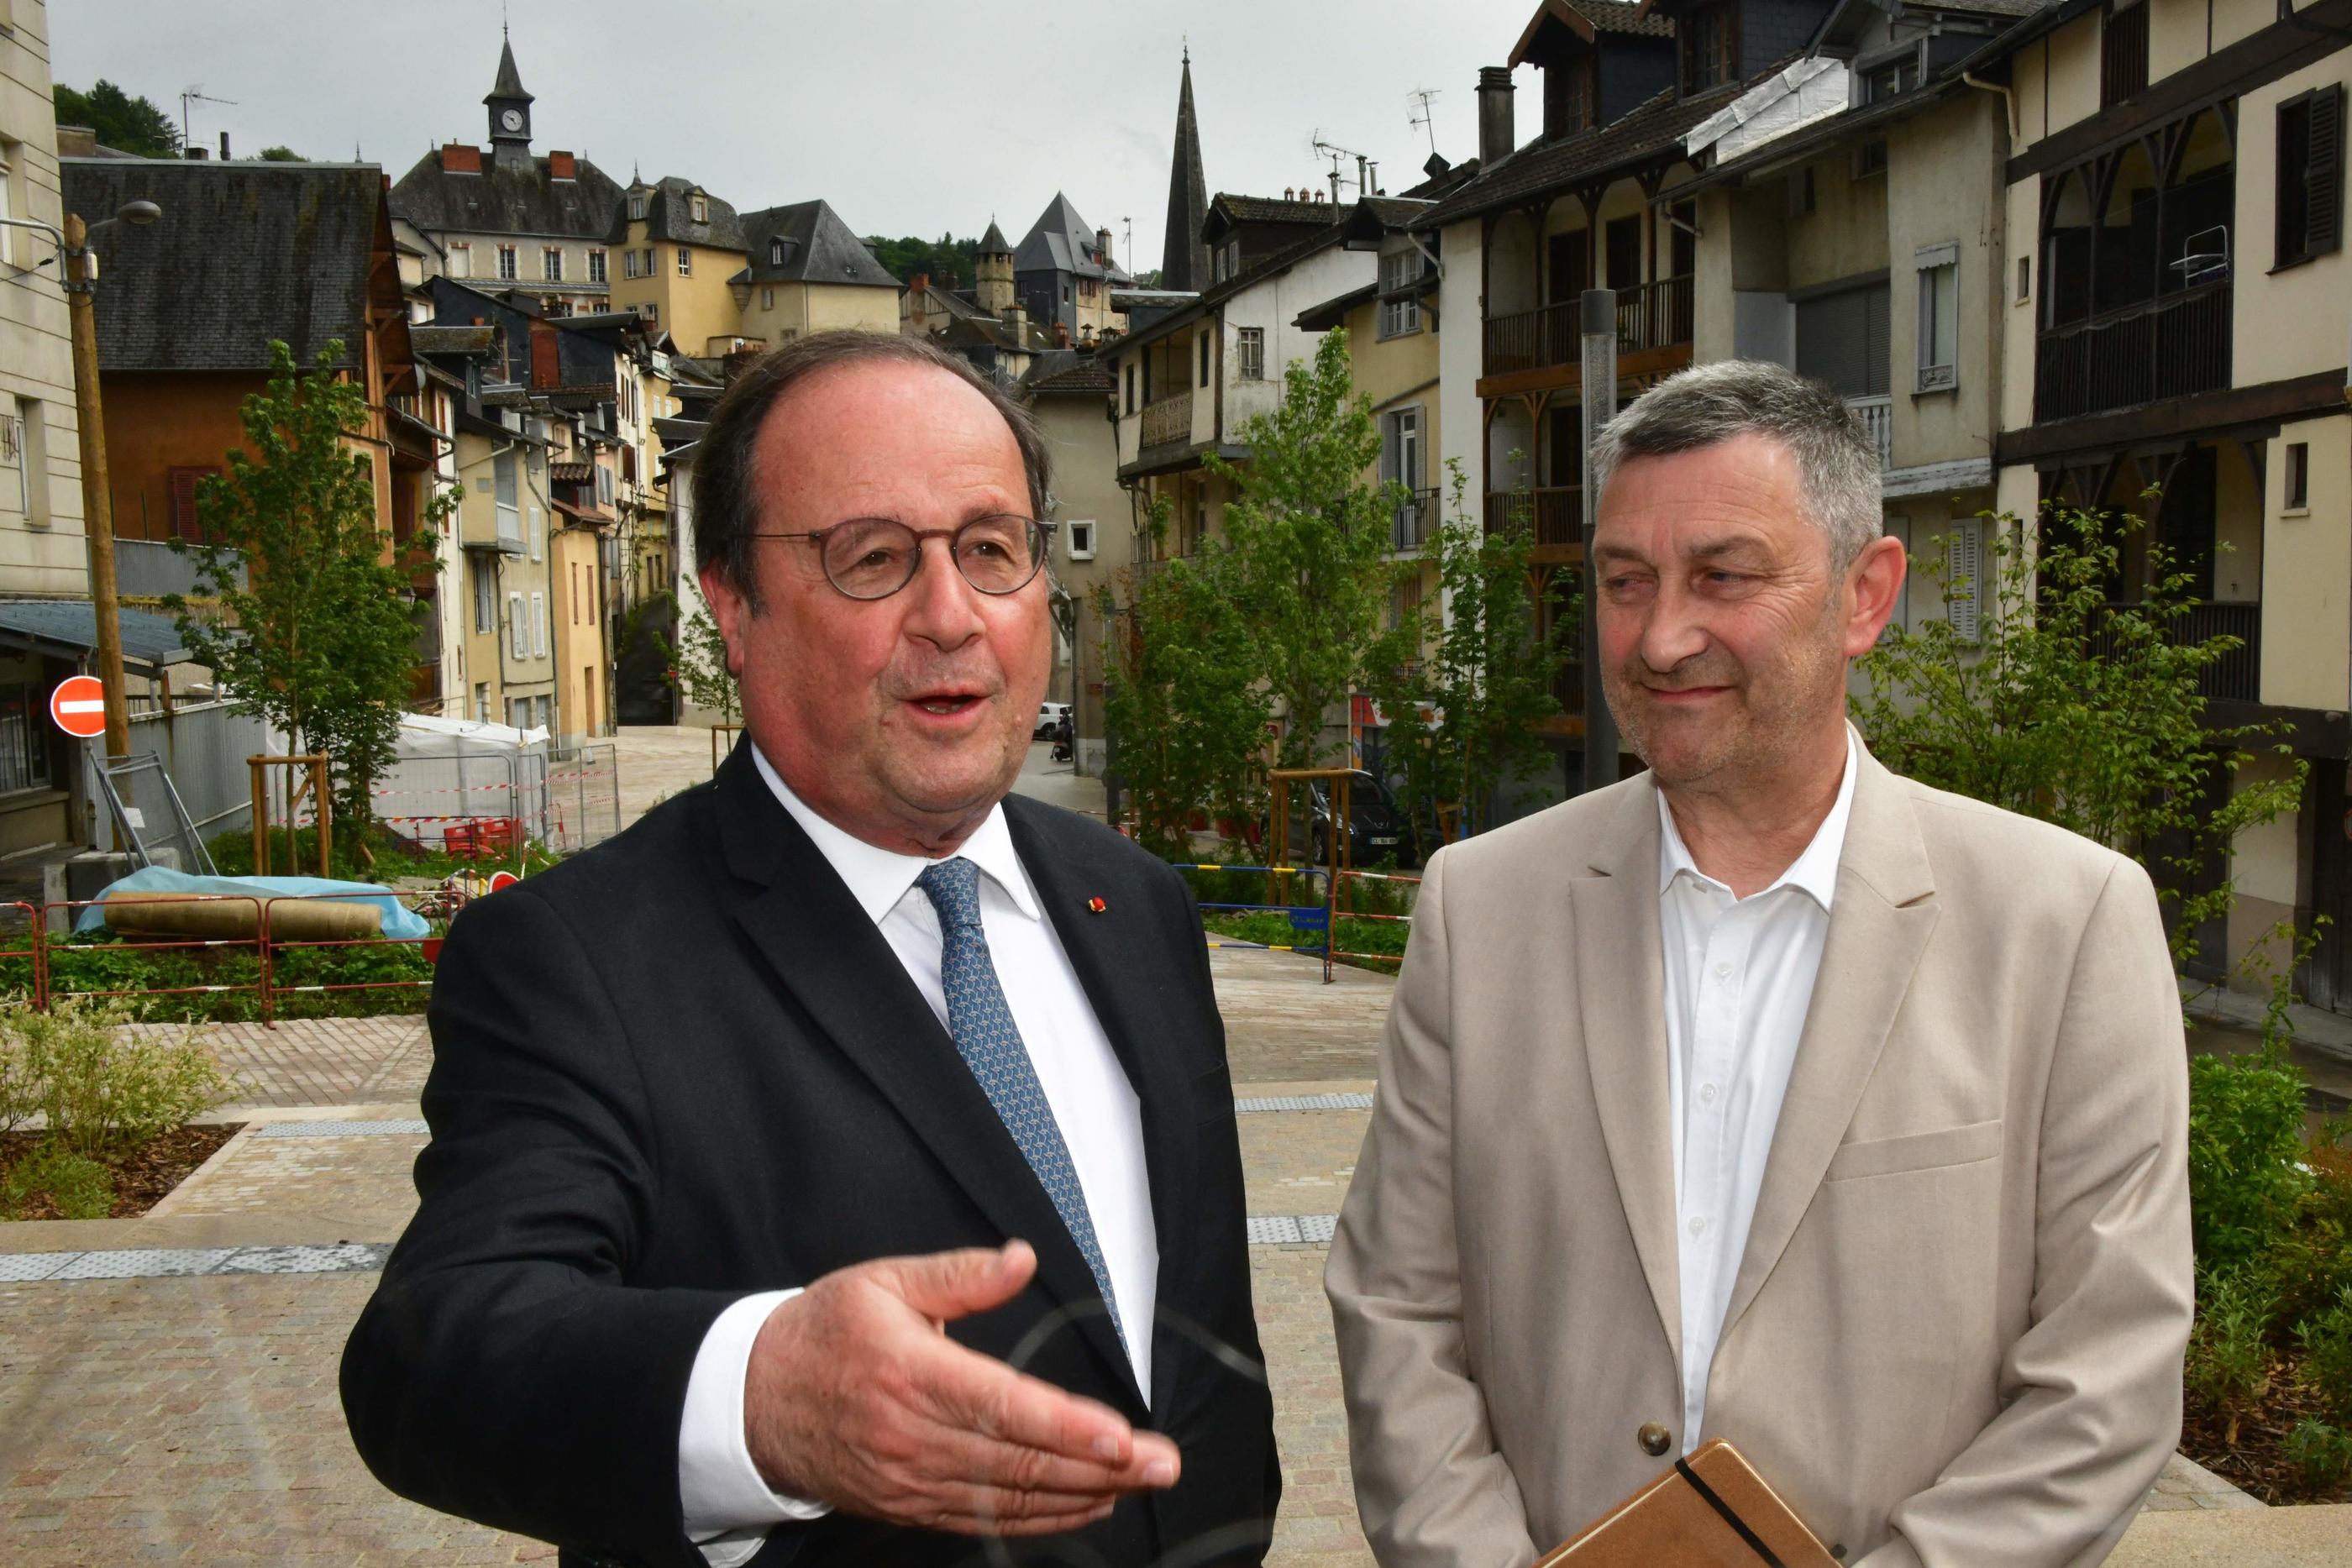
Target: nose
[[1672, 628], [942, 609]]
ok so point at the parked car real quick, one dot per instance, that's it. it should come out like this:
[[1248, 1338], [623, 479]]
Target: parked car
[[1377, 830], [1050, 719]]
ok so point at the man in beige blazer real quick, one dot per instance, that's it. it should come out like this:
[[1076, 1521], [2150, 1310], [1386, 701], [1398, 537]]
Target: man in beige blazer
[[1766, 1096]]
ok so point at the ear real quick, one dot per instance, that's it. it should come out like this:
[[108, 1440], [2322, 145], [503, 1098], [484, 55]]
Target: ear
[[731, 610], [1874, 587]]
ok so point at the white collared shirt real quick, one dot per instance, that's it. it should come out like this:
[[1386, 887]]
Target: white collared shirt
[[1739, 977], [729, 1509]]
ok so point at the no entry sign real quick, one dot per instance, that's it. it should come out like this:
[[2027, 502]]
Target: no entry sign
[[78, 705]]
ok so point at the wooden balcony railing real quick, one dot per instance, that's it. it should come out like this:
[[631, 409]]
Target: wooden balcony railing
[[2167, 347], [2237, 676], [1652, 316], [1568, 688], [1416, 520], [1169, 421], [1877, 418], [1556, 511]]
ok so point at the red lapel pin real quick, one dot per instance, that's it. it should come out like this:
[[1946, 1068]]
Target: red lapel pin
[[1096, 904]]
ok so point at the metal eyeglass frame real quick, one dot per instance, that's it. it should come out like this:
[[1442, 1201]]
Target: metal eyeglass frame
[[1041, 534]]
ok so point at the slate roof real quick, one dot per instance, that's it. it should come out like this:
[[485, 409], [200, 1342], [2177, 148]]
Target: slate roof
[[993, 242], [1656, 127], [818, 247], [509, 82], [669, 218], [1269, 210], [1060, 241], [435, 339], [243, 251], [507, 201], [72, 623], [1586, 20], [1185, 256], [1087, 376]]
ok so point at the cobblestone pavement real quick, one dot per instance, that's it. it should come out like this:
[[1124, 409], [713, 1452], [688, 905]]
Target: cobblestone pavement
[[195, 1419]]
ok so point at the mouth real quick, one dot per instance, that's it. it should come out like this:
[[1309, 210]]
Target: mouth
[[946, 704], [1685, 696]]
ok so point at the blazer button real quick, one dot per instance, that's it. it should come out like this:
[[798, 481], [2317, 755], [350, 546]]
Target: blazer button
[[1654, 1439]]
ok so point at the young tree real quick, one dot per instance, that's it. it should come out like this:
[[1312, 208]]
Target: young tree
[[698, 667], [2078, 711], [1307, 539], [1461, 721], [125, 123], [314, 618], [1183, 702]]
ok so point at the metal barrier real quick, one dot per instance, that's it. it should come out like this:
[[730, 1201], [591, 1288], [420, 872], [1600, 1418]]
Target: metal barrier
[[466, 802], [569, 798], [36, 969], [1340, 903], [286, 952], [1303, 917], [52, 989]]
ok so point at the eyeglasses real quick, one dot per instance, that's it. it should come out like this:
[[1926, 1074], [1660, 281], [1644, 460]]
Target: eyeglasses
[[874, 558]]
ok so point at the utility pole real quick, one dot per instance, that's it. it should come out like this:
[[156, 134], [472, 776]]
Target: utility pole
[[96, 497], [1599, 406]]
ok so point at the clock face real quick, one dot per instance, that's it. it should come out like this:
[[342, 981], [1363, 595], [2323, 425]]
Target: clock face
[[511, 119]]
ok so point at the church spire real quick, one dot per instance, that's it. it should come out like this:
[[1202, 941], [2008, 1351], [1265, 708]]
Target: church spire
[[1184, 261]]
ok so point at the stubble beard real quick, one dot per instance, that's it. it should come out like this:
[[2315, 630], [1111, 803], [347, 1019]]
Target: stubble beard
[[1768, 724]]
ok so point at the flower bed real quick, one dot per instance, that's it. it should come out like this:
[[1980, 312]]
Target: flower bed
[[139, 1178]]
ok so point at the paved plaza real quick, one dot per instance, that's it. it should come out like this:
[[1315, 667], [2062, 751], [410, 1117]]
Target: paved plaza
[[167, 1384]]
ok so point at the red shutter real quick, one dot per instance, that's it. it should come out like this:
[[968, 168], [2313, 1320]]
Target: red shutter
[[183, 485], [2323, 172]]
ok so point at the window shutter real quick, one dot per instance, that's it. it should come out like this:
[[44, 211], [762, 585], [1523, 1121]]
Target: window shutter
[[538, 625], [2323, 171], [1963, 579], [518, 627], [1389, 449]]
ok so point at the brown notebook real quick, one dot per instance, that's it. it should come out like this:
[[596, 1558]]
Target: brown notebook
[[1711, 1511]]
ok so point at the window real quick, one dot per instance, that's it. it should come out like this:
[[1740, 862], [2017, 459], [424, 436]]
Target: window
[[1081, 537], [25, 437], [551, 263], [1204, 341], [538, 625], [1249, 348], [482, 701], [180, 484], [1891, 79], [461, 259], [23, 738], [2310, 175], [685, 262], [1843, 339], [1708, 46], [486, 594], [1870, 158], [518, 712], [780, 251], [518, 627], [2296, 496], [2024, 278], [596, 267], [504, 494], [651, 312], [637, 207], [1567, 97], [2123, 51], [767, 299], [698, 208], [1401, 314], [1801, 192], [629, 264], [1130, 386], [604, 485], [506, 272], [12, 158], [1401, 455], [1938, 270]]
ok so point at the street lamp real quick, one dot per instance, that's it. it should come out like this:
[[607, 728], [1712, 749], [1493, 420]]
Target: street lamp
[[79, 272]]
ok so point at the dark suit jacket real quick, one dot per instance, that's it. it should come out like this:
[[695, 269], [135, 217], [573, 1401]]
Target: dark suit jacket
[[684, 1067]]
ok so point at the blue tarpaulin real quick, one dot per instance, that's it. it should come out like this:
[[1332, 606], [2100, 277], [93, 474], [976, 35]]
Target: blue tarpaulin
[[400, 923]]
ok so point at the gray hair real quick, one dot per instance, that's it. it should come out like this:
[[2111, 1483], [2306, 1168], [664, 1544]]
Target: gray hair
[[1837, 462]]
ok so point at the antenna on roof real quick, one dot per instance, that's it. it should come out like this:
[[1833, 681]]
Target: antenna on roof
[[1419, 119], [1128, 225], [196, 93], [1337, 155]]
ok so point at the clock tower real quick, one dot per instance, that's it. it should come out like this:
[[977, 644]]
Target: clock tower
[[510, 107]]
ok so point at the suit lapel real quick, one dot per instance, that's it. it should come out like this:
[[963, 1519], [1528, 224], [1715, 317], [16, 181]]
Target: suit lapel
[[837, 964], [1119, 968], [1879, 924], [1620, 984]]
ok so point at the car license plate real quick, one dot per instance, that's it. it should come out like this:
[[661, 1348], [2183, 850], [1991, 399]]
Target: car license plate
[[1379, 840]]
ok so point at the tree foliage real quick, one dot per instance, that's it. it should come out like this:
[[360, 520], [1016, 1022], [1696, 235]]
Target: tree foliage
[[697, 667], [278, 155], [1461, 721], [2079, 711], [1306, 541], [313, 622], [1181, 696], [945, 259], [125, 123]]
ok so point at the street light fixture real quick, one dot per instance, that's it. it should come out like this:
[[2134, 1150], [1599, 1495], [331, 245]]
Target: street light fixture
[[78, 271]]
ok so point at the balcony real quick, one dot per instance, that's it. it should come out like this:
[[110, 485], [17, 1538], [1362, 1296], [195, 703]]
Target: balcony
[[1558, 511], [150, 569], [1416, 520], [2237, 676], [1169, 421], [1878, 415], [2171, 346], [1651, 316]]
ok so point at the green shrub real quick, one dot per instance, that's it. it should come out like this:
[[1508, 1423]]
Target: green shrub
[[2310, 1266], [20, 1093], [105, 1090], [2245, 1151], [2327, 1341], [2228, 1362], [2321, 1452], [78, 1186]]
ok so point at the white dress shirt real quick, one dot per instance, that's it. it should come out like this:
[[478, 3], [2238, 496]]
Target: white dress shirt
[[1740, 976], [729, 1508]]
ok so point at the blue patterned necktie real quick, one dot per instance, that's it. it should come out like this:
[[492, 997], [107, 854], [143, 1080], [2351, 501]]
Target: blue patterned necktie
[[990, 1043]]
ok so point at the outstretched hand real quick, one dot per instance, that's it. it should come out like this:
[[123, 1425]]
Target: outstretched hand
[[856, 1396]]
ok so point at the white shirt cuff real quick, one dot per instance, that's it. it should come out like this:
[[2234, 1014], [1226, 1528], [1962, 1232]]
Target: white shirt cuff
[[729, 1508]]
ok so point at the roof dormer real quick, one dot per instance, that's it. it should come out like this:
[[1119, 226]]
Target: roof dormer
[[1721, 43], [1600, 59]]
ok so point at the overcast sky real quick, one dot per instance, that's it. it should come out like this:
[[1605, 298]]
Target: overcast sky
[[910, 117]]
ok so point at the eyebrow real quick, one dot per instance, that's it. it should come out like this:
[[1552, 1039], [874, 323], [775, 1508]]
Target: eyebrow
[[1709, 550]]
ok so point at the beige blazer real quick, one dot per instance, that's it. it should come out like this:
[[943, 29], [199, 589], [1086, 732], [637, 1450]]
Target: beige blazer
[[1955, 1335]]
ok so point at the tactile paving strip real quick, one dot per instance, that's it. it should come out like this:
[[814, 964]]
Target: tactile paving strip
[[1290, 1230], [161, 1262], [340, 1129], [1306, 1103]]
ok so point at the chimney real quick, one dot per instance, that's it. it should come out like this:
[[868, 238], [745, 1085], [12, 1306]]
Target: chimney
[[1061, 335], [1102, 244], [1496, 136], [197, 154], [546, 367], [1286, 193], [562, 166], [224, 146], [919, 284], [457, 158]]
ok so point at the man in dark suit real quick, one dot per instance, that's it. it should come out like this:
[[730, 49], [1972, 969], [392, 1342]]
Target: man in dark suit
[[769, 1136]]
